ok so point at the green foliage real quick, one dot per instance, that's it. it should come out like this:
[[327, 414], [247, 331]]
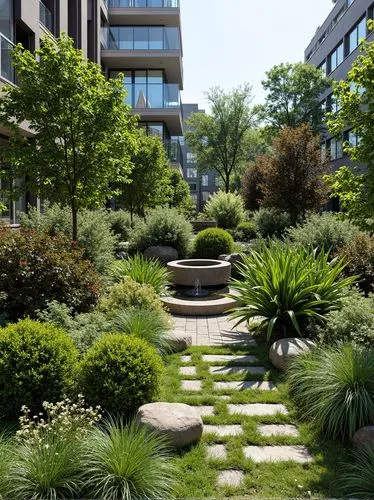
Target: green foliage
[[220, 140], [179, 193], [226, 208], [142, 270], [287, 286], [334, 388], [151, 326], [127, 461], [353, 323], [293, 96], [128, 293], [270, 222], [322, 231], [359, 253], [94, 230], [212, 242], [163, 226], [37, 364], [246, 231], [37, 268], [355, 97], [251, 190], [121, 372], [84, 132], [357, 474], [120, 224]]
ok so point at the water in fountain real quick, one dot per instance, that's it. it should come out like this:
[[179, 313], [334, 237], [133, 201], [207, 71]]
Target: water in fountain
[[197, 291]]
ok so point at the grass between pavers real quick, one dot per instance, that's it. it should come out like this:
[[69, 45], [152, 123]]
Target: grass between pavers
[[197, 476]]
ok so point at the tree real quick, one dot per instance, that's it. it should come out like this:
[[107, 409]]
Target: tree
[[252, 179], [179, 194], [84, 133], [149, 180], [292, 173], [219, 140], [293, 96], [356, 100]]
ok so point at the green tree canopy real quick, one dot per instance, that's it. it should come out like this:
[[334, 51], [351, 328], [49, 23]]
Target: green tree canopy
[[293, 92], [220, 139], [179, 194], [84, 135], [356, 99]]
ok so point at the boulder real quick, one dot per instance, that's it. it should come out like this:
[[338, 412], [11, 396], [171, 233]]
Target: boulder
[[233, 258], [364, 437], [179, 340], [285, 349], [178, 423], [122, 256], [163, 253]]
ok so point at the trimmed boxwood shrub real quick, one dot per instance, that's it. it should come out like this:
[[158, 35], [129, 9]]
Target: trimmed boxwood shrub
[[37, 364], [212, 242], [120, 373], [246, 231], [36, 268]]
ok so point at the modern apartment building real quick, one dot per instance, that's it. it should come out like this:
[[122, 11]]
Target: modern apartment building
[[140, 38], [333, 48], [202, 185]]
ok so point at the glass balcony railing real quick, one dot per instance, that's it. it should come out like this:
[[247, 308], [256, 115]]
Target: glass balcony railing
[[173, 150], [45, 16], [144, 4], [140, 38], [6, 67], [153, 95]]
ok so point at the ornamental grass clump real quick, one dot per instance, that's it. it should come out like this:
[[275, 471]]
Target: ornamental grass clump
[[287, 287], [357, 474], [334, 388]]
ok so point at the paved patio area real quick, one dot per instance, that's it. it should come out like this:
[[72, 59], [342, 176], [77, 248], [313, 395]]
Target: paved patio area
[[213, 330]]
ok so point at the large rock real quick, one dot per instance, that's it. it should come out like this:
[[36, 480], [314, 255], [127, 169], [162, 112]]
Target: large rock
[[180, 424], [179, 341], [285, 349], [165, 254], [364, 437], [233, 258]]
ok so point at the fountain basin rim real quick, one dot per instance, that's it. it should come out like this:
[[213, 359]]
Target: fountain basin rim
[[196, 263]]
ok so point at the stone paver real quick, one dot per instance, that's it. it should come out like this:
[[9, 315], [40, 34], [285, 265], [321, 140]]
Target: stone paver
[[278, 430], [223, 430], [277, 453], [233, 478], [213, 330], [257, 409], [187, 370], [204, 411], [216, 451], [243, 385], [232, 370], [229, 358], [191, 385], [185, 359]]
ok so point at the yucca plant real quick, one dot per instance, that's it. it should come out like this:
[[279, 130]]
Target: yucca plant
[[334, 388], [145, 271], [151, 326], [287, 286], [126, 462], [357, 474]]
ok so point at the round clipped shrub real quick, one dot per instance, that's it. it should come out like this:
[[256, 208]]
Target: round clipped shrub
[[130, 294], [37, 363], [212, 242], [226, 208], [247, 231], [120, 373]]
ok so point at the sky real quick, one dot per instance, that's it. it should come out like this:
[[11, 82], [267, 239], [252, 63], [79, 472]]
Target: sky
[[229, 42]]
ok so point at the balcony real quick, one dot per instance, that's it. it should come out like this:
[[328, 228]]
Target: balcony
[[45, 16], [143, 4], [174, 153], [148, 12], [141, 47], [6, 68]]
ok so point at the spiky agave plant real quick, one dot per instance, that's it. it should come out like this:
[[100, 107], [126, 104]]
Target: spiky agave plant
[[286, 286]]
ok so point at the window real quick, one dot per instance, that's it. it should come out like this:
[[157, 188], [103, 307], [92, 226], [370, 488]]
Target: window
[[6, 18], [193, 187], [353, 139], [323, 151], [323, 68], [217, 181], [336, 148], [153, 128], [145, 88], [191, 173], [205, 195], [205, 180], [191, 158], [332, 104], [194, 198], [358, 33], [336, 57]]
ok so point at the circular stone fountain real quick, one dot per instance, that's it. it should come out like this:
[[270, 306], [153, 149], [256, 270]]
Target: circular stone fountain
[[199, 285]]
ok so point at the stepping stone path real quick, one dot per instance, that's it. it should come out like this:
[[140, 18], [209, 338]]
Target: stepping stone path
[[233, 370], [241, 366], [277, 453]]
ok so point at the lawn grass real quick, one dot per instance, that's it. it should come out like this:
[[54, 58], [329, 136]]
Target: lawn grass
[[197, 476]]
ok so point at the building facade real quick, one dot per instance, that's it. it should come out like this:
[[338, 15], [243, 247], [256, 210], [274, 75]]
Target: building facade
[[333, 48], [202, 184], [139, 38]]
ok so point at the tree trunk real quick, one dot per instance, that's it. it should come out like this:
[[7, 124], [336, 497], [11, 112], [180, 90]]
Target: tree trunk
[[74, 212], [227, 183]]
